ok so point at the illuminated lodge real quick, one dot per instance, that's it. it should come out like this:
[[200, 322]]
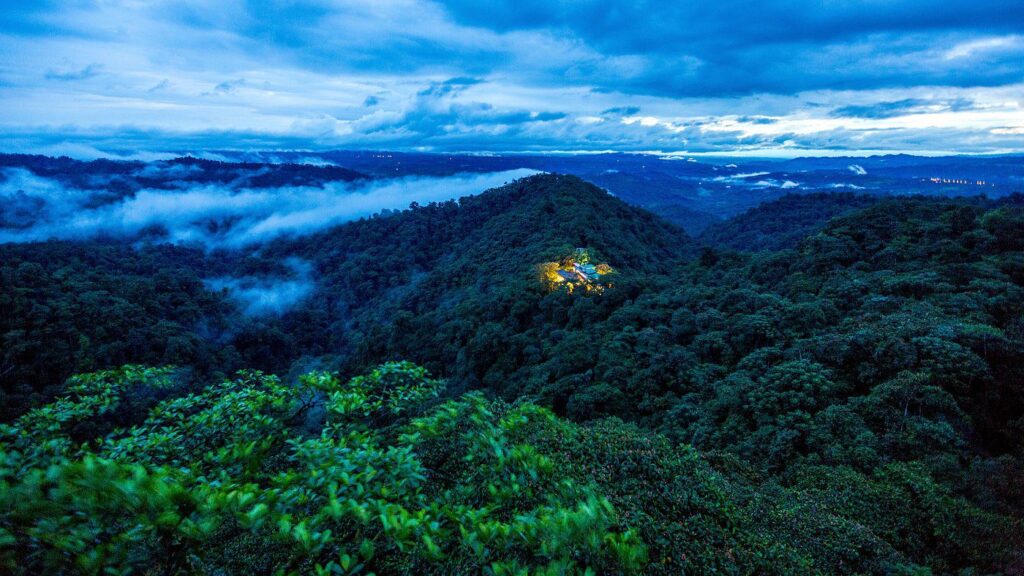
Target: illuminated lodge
[[576, 273]]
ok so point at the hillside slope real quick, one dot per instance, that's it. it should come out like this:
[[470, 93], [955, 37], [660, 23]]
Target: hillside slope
[[76, 306], [120, 177], [467, 269], [782, 223]]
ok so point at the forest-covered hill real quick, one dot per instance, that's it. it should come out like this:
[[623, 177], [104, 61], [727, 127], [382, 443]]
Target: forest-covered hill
[[783, 223], [847, 402], [121, 176], [74, 306]]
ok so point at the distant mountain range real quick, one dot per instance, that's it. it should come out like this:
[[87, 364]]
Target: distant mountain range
[[693, 193]]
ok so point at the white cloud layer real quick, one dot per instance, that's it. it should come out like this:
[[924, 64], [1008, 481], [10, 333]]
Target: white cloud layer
[[37, 209], [268, 296]]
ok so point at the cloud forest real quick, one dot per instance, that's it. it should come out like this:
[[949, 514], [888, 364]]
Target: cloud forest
[[508, 289]]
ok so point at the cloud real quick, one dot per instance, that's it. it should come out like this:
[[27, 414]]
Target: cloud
[[785, 185], [742, 179], [71, 75], [621, 111], [779, 46], [167, 171], [227, 87], [757, 119], [449, 87], [973, 48], [162, 85], [20, 203], [215, 216], [903, 107], [524, 75], [268, 296]]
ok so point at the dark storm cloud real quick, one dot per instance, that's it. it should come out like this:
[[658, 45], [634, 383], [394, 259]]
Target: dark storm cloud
[[783, 46]]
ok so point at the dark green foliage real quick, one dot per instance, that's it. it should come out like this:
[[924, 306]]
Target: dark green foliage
[[783, 223], [208, 475], [66, 308], [694, 222], [849, 406], [385, 290]]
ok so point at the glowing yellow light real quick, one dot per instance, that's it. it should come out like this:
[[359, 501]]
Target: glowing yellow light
[[571, 273]]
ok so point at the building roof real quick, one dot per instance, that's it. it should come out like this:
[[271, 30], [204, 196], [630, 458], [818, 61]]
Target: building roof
[[588, 270]]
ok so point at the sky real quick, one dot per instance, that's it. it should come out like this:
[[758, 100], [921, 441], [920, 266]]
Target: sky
[[92, 78]]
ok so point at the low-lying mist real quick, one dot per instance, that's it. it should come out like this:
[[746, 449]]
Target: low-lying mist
[[267, 296], [33, 208]]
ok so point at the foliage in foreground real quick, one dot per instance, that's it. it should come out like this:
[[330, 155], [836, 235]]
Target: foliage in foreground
[[379, 475], [255, 476]]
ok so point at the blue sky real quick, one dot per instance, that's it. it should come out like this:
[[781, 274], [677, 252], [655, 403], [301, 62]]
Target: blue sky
[[775, 77]]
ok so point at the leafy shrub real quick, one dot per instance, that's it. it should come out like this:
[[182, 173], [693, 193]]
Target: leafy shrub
[[211, 474]]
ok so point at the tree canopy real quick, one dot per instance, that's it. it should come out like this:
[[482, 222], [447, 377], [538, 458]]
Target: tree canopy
[[846, 401]]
